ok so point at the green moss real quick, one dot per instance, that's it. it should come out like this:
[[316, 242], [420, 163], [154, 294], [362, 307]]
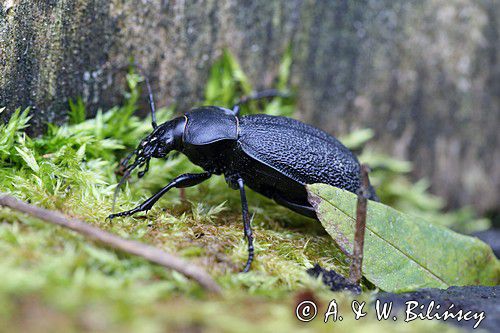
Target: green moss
[[55, 280]]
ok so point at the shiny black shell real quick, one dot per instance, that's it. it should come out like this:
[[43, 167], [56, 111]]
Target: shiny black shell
[[275, 156]]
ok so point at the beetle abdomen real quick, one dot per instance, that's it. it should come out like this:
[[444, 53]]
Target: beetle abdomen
[[299, 151]]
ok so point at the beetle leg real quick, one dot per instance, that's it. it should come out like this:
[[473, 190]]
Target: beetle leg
[[246, 224], [269, 93], [303, 208], [185, 180]]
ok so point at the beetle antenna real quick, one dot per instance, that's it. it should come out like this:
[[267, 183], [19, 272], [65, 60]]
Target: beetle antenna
[[150, 94], [128, 170], [151, 102], [124, 162]]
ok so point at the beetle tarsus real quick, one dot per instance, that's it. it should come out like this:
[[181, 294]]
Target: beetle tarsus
[[249, 260], [247, 228], [125, 213]]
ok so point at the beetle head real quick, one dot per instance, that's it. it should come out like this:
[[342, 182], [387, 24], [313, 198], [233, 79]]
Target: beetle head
[[164, 138]]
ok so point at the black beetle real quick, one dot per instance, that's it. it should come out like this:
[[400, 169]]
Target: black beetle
[[274, 156]]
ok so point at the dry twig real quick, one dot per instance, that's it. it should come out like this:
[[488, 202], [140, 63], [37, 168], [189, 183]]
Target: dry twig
[[147, 252]]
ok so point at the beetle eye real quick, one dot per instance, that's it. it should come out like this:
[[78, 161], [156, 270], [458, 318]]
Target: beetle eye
[[160, 151]]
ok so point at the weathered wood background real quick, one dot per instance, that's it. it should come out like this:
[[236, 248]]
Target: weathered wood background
[[424, 74]]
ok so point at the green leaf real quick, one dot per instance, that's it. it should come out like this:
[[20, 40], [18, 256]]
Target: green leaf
[[284, 69], [237, 72], [29, 158], [77, 112], [227, 81], [356, 139], [18, 121], [402, 252]]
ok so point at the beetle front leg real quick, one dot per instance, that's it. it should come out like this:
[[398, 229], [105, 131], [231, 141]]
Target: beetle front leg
[[246, 225], [185, 180]]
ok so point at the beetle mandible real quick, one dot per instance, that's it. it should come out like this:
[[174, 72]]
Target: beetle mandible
[[274, 156]]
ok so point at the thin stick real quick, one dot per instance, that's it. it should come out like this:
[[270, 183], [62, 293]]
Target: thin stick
[[147, 252], [355, 272]]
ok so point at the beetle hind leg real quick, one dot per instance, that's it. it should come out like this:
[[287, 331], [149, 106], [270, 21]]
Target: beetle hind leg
[[303, 208], [246, 224], [269, 93]]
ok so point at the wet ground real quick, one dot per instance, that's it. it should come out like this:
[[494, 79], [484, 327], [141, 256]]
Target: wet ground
[[466, 306]]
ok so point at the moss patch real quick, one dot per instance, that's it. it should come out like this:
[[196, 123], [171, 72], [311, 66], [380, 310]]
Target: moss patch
[[54, 280]]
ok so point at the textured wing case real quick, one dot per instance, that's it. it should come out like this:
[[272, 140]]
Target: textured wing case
[[300, 151]]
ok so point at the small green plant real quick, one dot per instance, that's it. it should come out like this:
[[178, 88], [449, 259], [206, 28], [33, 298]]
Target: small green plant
[[394, 187], [228, 83], [77, 113], [62, 280], [59, 165]]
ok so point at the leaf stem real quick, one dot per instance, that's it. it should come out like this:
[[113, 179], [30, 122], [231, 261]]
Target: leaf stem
[[356, 272]]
